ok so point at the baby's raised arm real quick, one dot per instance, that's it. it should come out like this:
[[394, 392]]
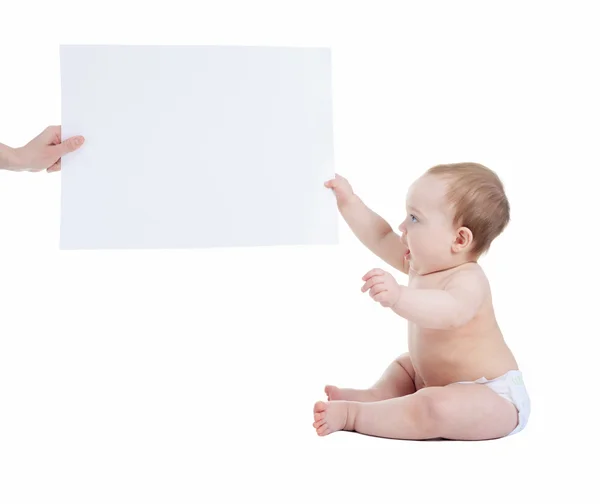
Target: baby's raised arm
[[370, 228]]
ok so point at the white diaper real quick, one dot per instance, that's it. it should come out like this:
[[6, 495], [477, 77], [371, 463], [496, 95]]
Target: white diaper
[[511, 387]]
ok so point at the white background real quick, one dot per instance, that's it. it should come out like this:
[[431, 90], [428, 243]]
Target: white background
[[190, 376]]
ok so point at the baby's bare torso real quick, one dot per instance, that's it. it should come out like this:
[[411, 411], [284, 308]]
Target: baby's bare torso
[[472, 351]]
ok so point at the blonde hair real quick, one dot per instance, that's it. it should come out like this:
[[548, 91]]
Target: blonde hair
[[477, 197]]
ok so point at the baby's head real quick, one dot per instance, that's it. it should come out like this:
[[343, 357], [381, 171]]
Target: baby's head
[[454, 212]]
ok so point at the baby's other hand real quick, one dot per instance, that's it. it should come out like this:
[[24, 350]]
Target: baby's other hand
[[341, 188], [382, 287]]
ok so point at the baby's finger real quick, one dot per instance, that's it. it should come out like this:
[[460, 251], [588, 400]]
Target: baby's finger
[[375, 271], [377, 289], [372, 281], [331, 184], [380, 298]]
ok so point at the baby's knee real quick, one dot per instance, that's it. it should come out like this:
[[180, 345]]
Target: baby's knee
[[405, 362], [430, 408], [404, 358]]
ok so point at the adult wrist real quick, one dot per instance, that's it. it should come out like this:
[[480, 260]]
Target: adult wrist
[[10, 158]]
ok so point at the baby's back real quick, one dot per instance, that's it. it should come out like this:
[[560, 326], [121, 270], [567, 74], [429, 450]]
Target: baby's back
[[475, 350]]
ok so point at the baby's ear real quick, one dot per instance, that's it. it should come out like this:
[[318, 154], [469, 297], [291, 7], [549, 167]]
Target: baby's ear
[[463, 240]]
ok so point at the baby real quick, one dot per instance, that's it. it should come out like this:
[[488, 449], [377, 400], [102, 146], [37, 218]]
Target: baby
[[458, 380]]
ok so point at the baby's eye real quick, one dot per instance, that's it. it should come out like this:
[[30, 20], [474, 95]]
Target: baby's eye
[[413, 218]]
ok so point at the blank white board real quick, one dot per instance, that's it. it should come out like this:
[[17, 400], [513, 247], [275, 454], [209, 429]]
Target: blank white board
[[197, 146]]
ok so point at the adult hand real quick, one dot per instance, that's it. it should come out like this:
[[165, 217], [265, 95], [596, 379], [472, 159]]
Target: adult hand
[[44, 152]]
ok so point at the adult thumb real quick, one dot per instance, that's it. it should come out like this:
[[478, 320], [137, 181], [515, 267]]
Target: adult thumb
[[70, 145]]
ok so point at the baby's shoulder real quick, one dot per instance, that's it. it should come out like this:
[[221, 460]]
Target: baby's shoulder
[[470, 274]]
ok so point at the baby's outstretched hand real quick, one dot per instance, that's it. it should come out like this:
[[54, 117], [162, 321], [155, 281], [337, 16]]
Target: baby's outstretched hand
[[382, 287], [341, 188]]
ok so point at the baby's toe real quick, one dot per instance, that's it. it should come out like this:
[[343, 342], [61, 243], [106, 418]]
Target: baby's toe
[[320, 410], [329, 389], [323, 430], [320, 406], [318, 423], [320, 416]]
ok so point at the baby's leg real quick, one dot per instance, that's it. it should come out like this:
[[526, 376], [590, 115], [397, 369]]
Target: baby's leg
[[458, 411], [397, 380]]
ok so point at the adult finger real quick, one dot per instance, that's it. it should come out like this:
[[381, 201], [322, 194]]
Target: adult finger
[[51, 135], [69, 145], [55, 167]]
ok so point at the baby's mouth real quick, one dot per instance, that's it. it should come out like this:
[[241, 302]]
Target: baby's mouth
[[407, 253]]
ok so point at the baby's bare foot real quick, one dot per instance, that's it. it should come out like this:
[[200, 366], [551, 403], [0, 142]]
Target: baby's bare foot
[[347, 394], [333, 416]]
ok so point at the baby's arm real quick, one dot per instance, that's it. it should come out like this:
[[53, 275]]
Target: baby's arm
[[375, 233], [447, 308], [371, 229]]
